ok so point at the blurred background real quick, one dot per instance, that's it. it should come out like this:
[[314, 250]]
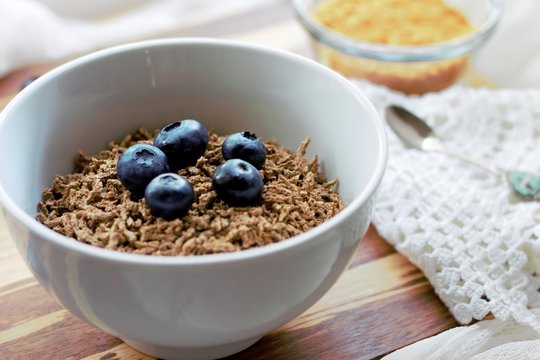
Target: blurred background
[[44, 32]]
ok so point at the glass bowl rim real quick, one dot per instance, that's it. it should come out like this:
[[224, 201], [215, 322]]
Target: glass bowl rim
[[441, 51]]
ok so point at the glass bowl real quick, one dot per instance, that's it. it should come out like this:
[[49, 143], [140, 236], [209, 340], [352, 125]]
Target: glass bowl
[[416, 69]]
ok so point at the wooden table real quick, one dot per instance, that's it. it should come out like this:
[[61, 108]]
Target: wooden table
[[381, 303]]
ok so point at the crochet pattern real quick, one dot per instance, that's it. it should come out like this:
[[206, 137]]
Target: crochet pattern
[[463, 227]]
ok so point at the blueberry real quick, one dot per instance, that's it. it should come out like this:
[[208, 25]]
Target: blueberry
[[29, 81], [238, 183], [245, 146], [169, 196], [138, 165], [183, 142]]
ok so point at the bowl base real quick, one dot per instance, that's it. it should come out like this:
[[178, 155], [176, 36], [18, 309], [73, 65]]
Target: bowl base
[[191, 353]]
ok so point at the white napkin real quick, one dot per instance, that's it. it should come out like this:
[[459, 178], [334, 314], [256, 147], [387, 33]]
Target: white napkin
[[461, 226], [32, 32], [486, 340]]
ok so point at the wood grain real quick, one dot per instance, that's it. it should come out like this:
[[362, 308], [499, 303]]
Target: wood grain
[[12, 268], [381, 303]]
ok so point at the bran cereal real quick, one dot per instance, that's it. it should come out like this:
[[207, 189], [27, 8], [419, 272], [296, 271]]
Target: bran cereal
[[92, 206]]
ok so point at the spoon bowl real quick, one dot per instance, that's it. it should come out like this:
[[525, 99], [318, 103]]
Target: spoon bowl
[[412, 130]]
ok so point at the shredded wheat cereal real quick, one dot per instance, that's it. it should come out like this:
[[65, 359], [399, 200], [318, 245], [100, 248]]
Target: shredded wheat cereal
[[92, 206]]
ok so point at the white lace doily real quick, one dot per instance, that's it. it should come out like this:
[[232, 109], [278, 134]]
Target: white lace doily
[[477, 245]]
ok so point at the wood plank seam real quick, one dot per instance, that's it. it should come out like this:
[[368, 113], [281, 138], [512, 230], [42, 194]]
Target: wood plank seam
[[327, 314], [122, 351], [32, 326], [13, 289]]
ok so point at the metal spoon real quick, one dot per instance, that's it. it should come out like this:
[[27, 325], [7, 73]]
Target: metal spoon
[[415, 133]]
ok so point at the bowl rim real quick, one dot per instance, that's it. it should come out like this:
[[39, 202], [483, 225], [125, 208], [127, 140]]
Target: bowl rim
[[395, 53], [110, 255]]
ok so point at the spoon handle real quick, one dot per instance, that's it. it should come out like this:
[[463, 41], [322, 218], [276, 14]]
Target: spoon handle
[[434, 144], [525, 185], [414, 132], [487, 167]]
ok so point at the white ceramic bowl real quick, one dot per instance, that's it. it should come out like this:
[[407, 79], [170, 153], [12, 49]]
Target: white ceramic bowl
[[202, 306]]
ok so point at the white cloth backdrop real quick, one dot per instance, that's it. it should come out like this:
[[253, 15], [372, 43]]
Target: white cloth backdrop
[[35, 31], [32, 32], [512, 57]]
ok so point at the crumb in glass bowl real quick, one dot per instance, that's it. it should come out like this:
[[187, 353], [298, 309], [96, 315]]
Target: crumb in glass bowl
[[411, 46]]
